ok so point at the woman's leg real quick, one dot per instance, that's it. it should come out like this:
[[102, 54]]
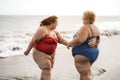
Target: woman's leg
[[44, 62], [83, 67], [52, 60], [46, 70]]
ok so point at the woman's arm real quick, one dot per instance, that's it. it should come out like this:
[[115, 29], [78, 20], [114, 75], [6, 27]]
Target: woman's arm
[[76, 44], [40, 33], [80, 38], [61, 39]]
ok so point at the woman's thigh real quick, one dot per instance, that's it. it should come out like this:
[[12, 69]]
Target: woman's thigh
[[82, 63], [43, 60]]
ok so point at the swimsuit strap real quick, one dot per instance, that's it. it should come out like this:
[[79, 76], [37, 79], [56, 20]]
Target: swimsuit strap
[[91, 30], [98, 37]]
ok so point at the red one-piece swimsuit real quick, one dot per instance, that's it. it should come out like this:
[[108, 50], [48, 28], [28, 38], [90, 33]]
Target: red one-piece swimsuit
[[47, 45]]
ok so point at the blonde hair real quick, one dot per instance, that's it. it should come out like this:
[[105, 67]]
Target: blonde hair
[[90, 16], [48, 21]]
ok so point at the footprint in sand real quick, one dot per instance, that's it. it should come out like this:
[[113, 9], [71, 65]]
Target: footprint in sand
[[99, 72]]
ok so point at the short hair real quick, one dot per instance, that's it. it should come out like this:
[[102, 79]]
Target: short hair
[[48, 21], [90, 15]]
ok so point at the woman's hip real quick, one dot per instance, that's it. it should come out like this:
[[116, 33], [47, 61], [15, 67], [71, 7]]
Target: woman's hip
[[90, 54], [43, 60]]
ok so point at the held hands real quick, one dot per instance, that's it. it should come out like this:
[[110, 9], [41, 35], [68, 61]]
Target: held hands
[[68, 45]]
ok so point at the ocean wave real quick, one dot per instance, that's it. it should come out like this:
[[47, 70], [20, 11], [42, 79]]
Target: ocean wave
[[15, 43]]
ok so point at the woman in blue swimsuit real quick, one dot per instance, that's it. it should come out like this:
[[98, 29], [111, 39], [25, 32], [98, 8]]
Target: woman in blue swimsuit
[[85, 46]]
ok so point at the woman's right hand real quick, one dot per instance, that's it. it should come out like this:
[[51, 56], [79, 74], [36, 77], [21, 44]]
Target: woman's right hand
[[26, 52]]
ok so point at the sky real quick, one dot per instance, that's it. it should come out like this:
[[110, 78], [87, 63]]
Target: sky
[[59, 7]]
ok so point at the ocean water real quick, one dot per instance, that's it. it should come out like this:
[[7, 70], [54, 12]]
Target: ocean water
[[16, 31]]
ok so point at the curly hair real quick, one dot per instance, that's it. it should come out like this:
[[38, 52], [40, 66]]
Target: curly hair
[[90, 16]]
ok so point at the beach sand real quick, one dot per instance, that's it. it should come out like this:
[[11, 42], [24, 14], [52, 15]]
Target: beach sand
[[106, 67]]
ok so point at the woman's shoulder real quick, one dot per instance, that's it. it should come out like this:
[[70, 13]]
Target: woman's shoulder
[[57, 32], [84, 27], [43, 29]]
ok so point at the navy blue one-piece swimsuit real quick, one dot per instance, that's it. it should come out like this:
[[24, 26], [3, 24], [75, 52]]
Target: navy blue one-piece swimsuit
[[90, 52]]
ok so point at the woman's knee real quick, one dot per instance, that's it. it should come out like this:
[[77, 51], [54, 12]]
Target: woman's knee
[[45, 65], [46, 74], [48, 70]]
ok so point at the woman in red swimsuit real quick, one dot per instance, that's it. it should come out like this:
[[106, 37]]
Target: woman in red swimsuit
[[44, 43]]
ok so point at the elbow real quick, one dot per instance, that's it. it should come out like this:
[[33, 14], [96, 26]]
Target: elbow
[[78, 40], [34, 41]]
